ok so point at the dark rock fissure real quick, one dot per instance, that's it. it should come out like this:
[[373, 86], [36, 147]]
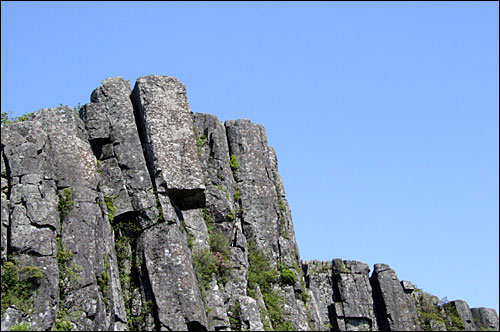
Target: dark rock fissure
[[8, 175], [141, 129], [380, 310], [97, 146]]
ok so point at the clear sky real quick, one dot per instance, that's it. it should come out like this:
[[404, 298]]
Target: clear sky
[[384, 116]]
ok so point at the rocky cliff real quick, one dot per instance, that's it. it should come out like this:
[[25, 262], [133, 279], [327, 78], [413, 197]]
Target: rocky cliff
[[136, 214]]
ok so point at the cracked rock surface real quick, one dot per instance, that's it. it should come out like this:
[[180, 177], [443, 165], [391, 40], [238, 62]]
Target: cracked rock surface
[[136, 214]]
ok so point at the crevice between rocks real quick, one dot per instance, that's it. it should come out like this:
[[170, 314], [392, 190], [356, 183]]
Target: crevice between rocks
[[8, 176], [380, 311], [140, 123]]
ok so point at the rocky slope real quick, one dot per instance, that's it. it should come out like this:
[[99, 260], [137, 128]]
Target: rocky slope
[[136, 214]]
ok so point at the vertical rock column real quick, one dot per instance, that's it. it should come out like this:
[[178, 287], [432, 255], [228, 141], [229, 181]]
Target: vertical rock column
[[222, 208], [165, 127], [265, 214], [91, 292], [319, 282], [395, 311], [125, 184], [355, 310], [29, 214], [114, 138]]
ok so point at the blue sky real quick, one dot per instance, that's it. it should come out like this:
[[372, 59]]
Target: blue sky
[[384, 116]]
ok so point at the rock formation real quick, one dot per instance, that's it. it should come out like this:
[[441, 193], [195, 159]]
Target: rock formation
[[136, 214]]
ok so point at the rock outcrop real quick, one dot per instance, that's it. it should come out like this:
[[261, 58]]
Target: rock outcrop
[[136, 214]]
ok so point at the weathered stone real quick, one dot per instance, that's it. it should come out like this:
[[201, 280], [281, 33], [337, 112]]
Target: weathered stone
[[431, 316], [29, 212], [167, 263], [318, 278], [13, 317], [166, 125], [213, 152], [461, 309], [485, 318], [295, 309], [265, 214], [314, 315], [161, 176], [249, 314], [217, 315], [353, 290], [265, 319], [407, 286], [114, 138], [85, 231], [223, 207], [196, 229], [396, 311]]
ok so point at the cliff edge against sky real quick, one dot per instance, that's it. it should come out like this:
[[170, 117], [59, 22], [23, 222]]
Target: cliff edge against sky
[[136, 214]]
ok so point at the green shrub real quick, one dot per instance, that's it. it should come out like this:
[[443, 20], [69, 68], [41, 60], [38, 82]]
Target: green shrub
[[200, 142], [23, 326], [262, 273], [216, 259], [104, 281], [234, 163], [260, 270], [235, 319], [62, 325], [7, 120], [288, 278], [454, 322], [65, 203], [237, 195], [219, 243], [19, 285], [231, 215], [204, 267], [110, 207], [69, 277], [208, 217]]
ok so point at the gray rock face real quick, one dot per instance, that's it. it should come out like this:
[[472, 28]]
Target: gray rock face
[[396, 311], [114, 138], [318, 278], [249, 314], [29, 213], [462, 309], [213, 153], [108, 207], [85, 230], [222, 196], [485, 318], [165, 121], [353, 291], [217, 314], [13, 317], [295, 309], [265, 214], [174, 287]]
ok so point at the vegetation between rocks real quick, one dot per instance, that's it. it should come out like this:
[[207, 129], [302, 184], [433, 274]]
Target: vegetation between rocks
[[214, 261], [19, 284], [262, 273]]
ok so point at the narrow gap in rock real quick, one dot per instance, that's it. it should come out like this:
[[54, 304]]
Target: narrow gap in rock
[[8, 175], [380, 312], [140, 122]]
